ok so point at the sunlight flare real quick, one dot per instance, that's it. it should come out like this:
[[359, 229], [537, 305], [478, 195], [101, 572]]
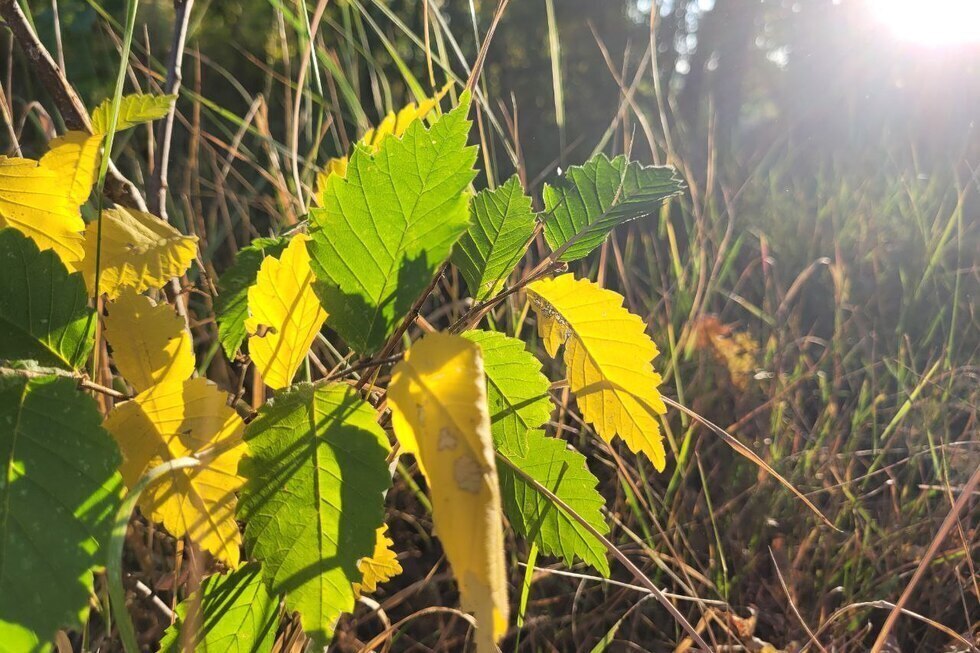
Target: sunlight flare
[[937, 23]]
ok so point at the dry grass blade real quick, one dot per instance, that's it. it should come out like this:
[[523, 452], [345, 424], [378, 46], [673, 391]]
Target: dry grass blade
[[886, 605], [385, 635], [752, 456], [792, 604], [966, 494]]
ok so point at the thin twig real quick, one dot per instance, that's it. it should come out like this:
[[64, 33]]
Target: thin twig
[[157, 184], [476, 313], [84, 382]]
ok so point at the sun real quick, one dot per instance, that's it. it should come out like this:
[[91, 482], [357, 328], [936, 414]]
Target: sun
[[934, 23]]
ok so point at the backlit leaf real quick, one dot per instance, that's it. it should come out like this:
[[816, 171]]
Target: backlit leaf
[[396, 124], [230, 613], [607, 358], [517, 394], [58, 496], [393, 124], [384, 230], [380, 567], [75, 158], [590, 200], [439, 413], [517, 391], [37, 201], [284, 314], [501, 228], [553, 464], [133, 110], [150, 344], [313, 500], [231, 306], [178, 419], [44, 311], [139, 251]]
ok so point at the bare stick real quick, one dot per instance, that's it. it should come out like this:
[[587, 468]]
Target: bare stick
[[157, 185]]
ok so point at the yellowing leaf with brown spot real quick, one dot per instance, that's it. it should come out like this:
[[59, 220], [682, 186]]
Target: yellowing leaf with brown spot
[[170, 421], [382, 566], [36, 201], [75, 157], [608, 360], [139, 251], [149, 343], [439, 412], [284, 314]]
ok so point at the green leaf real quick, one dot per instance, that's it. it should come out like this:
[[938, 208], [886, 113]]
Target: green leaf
[[58, 495], [315, 476], [517, 391], [133, 110], [44, 311], [590, 200], [385, 229], [231, 307], [229, 613], [517, 396], [501, 228], [562, 470]]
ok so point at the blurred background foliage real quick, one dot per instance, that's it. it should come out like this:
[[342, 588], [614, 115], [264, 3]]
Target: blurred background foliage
[[815, 290]]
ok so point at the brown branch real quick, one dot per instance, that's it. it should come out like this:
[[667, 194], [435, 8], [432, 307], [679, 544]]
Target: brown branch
[[117, 188], [84, 383]]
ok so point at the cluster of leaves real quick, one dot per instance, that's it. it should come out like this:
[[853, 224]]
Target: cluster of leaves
[[308, 473]]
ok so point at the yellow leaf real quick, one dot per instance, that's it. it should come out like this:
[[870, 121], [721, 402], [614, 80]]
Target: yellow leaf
[[36, 201], [438, 404], [284, 314], [176, 419], [395, 124], [382, 566], [608, 358], [139, 251], [75, 157], [335, 166], [149, 343], [134, 110]]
